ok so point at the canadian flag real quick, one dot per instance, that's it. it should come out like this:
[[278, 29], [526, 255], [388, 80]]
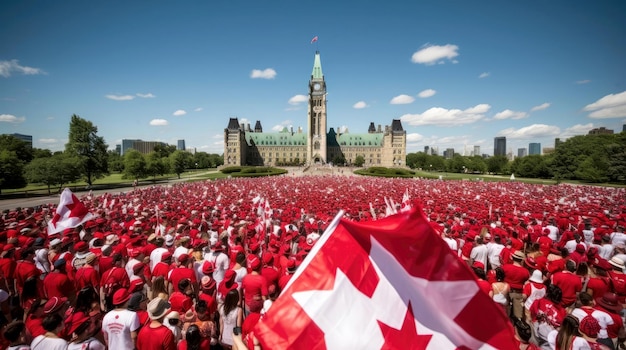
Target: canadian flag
[[314, 39], [384, 284], [406, 201], [70, 213]]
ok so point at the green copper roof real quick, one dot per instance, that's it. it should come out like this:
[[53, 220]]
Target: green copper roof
[[317, 67], [276, 139], [361, 140]]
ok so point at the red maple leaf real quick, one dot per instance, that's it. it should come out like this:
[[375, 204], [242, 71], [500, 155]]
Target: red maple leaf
[[406, 337], [77, 209], [55, 219]]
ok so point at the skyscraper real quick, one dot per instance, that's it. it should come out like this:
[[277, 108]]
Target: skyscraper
[[521, 152], [477, 150], [180, 145], [499, 146], [534, 148]]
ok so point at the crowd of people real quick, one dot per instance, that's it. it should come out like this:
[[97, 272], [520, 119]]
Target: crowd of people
[[196, 265]]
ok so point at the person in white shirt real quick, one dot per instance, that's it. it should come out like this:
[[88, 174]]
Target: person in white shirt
[[606, 248], [157, 253], [493, 251], [220, 261], [53, 324], [479, 252], [604, 319], [120, 325]]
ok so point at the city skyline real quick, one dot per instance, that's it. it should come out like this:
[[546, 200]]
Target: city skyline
[[456, 74]]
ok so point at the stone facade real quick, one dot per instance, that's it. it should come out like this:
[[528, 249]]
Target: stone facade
[[318, 144]]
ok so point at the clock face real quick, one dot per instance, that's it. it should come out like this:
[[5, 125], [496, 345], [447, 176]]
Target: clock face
[[317, 86]]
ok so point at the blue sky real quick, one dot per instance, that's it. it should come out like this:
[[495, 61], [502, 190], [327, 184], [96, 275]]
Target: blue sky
[[458, 73]]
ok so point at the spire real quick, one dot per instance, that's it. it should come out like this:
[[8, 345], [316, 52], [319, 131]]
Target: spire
[[317, 67]]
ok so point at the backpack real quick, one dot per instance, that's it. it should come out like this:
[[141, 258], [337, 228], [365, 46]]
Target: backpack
[[111, 285]]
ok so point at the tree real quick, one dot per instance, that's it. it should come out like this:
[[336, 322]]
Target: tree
[[155, 165], [164, 151], [359, 161], [339, 159], [179, 161], [496, 164], [89, 148], [134, 165], [201, 160], [55, 170], [116, 162], [11, 170], [22, 150], [41, 153], [216, 160]]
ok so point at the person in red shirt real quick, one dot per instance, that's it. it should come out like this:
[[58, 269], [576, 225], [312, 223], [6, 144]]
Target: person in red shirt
[[516, 276], [112, 280], [569, 283], [35, 317], [284, 279], [545, 242], [87, 275], [479, 271], [207, 293], [610, 304], [271, 274], [599, 284], [254, 286], [181, 300], [557, 259], [25, 269], [181, 272], [57, 284], [162, 268], [155, 335], [547, 311], [7, 268]]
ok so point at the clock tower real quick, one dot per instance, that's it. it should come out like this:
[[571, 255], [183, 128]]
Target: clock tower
[[316, 115]]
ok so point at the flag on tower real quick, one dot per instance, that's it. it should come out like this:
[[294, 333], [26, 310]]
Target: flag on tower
[[70, 213], [314, 39], [399, 287]]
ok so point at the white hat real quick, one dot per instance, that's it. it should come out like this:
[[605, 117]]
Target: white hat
[[55, 242], [537, 277], [158, 308], [617, 262], [111, 239], [169, 240]]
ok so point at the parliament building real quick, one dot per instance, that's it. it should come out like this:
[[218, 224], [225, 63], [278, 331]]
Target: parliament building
[[316, 145]]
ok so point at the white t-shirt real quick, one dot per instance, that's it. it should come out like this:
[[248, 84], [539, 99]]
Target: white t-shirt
[[87, 344], [579, 343], [493, 251], [118, 324], [604, 319], [241, 273], [479, 253], [221, 262], [155, 257], [452, 243], [129, 267], [606, 251], [41, 342]]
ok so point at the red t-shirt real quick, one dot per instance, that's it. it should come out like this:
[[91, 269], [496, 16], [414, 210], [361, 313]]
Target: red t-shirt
[[33, 324], [485, 286], [155, 338], [515, 275], [87, 276], [161, 269], [180, 302], [180, 273], [211, 303], [271, 275], [57, 284], [598, 285], [556, 265], [24, 270], [570, 285], [254, 286], [116, 275]]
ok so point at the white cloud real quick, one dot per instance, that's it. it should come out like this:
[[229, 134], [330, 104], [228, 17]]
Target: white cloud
[[402, 100], [531, 132], [268, 73], [447, 117], [179, 113], [50, 118], [48, 141], [218, 136], [580, 82], [578, 129], [360, 105], [427, 93], [484, 75], [282, 125], [199, 109], [297, 99], [8, 67], [432, 54], [120, 97], [541, 107], [148, 95], [609, 106], [414, 137], [158, 122], [8, 118], [509, 114]]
